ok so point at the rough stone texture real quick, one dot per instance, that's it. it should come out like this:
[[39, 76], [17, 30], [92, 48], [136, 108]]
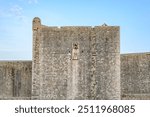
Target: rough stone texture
[[15, 79], [75, 62], [135, 76], [35, 65]]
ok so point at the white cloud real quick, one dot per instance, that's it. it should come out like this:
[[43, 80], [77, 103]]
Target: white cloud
[[14, 10], [17, 11], [32, 1]]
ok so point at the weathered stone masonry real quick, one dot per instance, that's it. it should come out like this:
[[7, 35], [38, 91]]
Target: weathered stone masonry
[[135, 76], [76, 62], [15, 79]]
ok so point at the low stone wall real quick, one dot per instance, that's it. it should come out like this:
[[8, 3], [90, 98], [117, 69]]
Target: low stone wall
[[15, 79], [135, 76]]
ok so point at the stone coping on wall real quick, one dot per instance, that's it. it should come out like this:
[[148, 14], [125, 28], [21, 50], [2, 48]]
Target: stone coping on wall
[[134, 54]]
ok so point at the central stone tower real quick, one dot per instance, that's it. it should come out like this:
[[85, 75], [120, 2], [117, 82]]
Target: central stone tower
[[75, 62]]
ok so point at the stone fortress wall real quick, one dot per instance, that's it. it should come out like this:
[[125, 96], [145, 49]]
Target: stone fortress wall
[[15, 79], [135, 76], [76, 63]]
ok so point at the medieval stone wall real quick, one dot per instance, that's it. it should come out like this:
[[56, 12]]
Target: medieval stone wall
[[135, 76], [75, 62], [15, 79]]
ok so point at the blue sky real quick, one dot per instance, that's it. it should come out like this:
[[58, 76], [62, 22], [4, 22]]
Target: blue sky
[[133, 17]]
